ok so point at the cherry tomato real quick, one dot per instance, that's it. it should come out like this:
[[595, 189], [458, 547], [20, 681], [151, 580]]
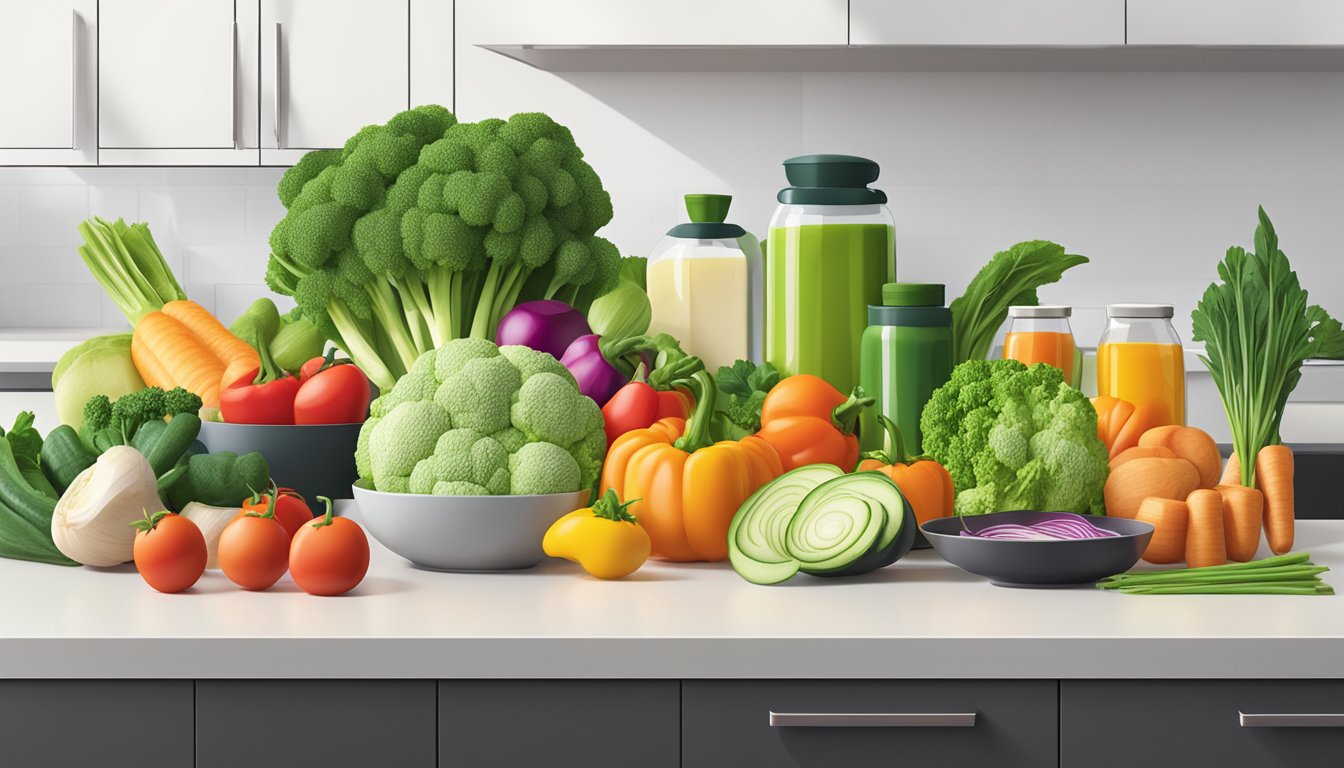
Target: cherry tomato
[[254, 549], [335, 394], [291, 511], [169, 552], [330, 556]]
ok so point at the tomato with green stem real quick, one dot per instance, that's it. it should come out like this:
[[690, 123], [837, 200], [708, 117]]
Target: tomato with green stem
[[291, 511], [331, 391], [169, 552], [330, 556], [254, 549]]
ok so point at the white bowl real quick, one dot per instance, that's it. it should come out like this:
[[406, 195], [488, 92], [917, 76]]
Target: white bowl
[[464, 533]]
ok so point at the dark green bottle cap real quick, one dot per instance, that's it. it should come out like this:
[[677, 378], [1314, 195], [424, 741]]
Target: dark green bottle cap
[[831, 180], [913, 294], [707, 214]]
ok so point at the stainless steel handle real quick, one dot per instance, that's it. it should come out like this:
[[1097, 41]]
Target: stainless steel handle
[[233, 86], [1291, 721], [74, 79], [275, 92], [872, 719]]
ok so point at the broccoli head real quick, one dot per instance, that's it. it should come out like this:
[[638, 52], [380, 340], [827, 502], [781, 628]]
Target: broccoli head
[[471, 418], [1014, 437], [424, 230]]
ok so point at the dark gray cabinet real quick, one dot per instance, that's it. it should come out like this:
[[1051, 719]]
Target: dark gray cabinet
[[328, 723], [62, 723], [1182, 723], [1007, 724], [559, 723]]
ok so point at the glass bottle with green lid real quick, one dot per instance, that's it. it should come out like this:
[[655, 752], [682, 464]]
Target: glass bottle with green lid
[[704, 285], [906, 354], [831, 247]]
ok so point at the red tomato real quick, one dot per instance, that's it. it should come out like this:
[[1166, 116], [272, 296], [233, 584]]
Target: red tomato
[[169, 552], [291, 511], [675, 403], [330, 556], [338, 394], [254, 551], [634, 406]]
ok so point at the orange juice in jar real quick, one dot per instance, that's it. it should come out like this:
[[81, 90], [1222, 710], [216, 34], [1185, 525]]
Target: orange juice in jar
[[1042, 335], [1140, 360]]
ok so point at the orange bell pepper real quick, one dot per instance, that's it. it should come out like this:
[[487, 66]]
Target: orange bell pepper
[[808, 421], [925, 483], [689, 487]]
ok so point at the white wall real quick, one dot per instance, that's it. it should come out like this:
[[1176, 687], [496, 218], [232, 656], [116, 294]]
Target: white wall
[[1152, 175]]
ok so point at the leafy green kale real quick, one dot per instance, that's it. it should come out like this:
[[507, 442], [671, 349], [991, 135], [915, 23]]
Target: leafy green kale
[[742, 388]]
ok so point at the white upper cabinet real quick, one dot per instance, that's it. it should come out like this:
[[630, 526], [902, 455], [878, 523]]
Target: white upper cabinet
[[1236, 22], [328, 68], [650, 22], [987, 22], [177, 83], [47, 90]]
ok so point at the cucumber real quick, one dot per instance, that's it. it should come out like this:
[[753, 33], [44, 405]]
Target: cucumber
[[164, 443], [756, 537], [38, 481], [32, 507], [21, 541], [64, 457], [822, 522]]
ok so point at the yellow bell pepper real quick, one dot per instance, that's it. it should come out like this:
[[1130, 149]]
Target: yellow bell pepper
[[689, 486], [605, 538]]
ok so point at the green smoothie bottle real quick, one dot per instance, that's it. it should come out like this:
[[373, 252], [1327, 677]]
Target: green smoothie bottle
[[831, 247], [906, 354]]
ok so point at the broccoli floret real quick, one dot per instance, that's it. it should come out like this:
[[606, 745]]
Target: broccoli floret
[[541, 468], [1014, 437], [98, 413], [425, 230], [491, 412], [178, 400]]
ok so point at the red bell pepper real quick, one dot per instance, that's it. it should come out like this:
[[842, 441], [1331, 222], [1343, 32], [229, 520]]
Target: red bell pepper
[[261, 396], [639, 404]]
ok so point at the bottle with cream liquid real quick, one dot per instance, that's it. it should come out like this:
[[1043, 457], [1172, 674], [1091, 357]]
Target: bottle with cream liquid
[[704, 284]]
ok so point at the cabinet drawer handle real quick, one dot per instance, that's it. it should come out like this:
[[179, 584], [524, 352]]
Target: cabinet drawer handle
[[872, 719], [275, 90], [233, 85], [74, 79], [1291, 721]]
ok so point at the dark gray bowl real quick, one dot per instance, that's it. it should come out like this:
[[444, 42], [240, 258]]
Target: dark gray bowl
[[313, 459], [1038, 563]]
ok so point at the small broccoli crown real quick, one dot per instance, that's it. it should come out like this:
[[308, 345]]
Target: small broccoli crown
[[178, 400], [98, 412], [299, 174], [542, 468]]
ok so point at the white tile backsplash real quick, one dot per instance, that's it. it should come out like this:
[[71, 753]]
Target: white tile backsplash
[[1151, 175], [62, 306]]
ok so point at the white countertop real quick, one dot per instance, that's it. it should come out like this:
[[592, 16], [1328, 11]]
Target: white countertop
[[921, 618], [36, 350]]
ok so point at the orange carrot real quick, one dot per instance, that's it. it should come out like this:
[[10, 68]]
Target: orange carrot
[[1132, 482], [1142, 452], [1192, 444], [212, 333], [1144, 418], [185, 346], [1274, 476], [1242, 512], [1231, 471], [1205, 543], [1170, 519]]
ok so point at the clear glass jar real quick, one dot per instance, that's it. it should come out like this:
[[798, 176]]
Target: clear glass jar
[[1043, 335], [705, 285], [831, 248], [1140, 360]]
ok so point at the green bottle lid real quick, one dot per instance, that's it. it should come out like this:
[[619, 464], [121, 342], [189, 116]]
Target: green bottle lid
[[913, 295], [707, 214], [831, 180]]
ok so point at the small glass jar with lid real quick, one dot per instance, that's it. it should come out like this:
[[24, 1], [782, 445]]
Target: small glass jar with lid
[[1042, 335], [1140, 360]]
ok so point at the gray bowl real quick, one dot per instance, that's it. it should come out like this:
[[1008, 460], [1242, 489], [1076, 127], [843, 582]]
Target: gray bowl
[[313, 459], [464, 533], [1038, 563]]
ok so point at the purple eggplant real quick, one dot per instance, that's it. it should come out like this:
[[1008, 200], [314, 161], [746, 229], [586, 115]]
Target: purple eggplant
[[546, 326]]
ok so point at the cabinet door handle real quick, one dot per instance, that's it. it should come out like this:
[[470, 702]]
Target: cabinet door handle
[[275, 90], [1291, 721], [233, 85], [872, 719], [74, 79]]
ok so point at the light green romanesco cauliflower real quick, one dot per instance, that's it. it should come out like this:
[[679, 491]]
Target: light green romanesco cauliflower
[[473, 419]]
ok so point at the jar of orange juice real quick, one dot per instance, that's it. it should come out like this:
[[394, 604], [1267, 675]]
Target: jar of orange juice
[[1139, 359], [1042, 335]]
